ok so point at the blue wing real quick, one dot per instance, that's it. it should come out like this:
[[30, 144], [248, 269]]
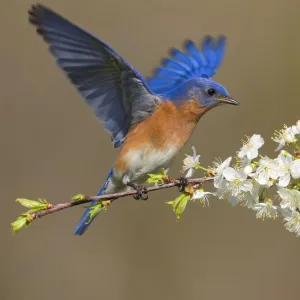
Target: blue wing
[[116, 91], [184, 66]]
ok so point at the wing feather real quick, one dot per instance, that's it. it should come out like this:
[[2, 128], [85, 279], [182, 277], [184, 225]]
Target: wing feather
[[99, 73]]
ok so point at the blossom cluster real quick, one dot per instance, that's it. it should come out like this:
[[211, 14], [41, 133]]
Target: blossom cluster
[[268, 186]]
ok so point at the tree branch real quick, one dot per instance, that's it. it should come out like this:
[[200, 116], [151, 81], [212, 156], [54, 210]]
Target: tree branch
[[112, 197]]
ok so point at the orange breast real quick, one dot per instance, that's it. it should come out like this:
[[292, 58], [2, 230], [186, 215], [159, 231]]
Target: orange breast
[[171, 125]]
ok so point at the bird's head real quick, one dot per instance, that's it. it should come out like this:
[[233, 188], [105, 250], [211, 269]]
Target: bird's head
[[186, 76], [209, 93], [206, 92]]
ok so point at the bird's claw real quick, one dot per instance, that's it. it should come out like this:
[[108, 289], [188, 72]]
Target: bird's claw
[[183, 183], [141, 192]]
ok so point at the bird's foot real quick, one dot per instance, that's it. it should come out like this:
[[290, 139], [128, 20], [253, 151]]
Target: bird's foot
[[141, 191], [183, 183]]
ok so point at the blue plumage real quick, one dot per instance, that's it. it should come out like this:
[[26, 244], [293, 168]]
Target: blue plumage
[[85, 220], [184, 66]]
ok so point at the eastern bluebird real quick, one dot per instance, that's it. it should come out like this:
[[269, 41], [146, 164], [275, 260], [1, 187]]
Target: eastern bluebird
[[150, 120]]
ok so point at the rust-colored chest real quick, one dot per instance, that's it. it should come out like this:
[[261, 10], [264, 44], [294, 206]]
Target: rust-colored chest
[[171, 125]]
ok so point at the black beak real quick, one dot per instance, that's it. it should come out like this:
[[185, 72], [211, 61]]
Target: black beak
[[229, 100]]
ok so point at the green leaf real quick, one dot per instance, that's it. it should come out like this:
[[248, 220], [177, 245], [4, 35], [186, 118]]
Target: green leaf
[[95, 209], [177, 201], [181, 206], [153, 178], [23, 220], [79, 197], [157, 178], [170, 202], [33, 204], [174, 202]]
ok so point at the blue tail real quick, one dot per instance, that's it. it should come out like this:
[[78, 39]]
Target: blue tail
[[85, 220]]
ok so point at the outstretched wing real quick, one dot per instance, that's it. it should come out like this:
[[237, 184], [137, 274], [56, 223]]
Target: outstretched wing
[[184, 66], [116, 91]]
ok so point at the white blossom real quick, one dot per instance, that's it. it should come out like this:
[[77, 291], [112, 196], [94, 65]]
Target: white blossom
[[284, 169], [295, 169], [284, 136], [248, 170], [251, 198], [268, 168], [237, 181], [250, 148], [296, 128], [293, 223], [190, 163], [218, 168], [247, 183], [223, 190], [266, 210], [201, 195], [243, 162], [290, 198]]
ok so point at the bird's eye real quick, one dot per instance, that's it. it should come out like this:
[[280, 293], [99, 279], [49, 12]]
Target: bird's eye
[[211, 92]]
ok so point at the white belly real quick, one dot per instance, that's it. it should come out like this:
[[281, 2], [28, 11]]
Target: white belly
[[147, 160], [140, 163]]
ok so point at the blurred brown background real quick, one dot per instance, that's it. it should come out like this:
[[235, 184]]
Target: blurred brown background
[[137, 250]]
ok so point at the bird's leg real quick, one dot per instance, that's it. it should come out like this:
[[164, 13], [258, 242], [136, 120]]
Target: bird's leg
[[183, 183], [141, 191]]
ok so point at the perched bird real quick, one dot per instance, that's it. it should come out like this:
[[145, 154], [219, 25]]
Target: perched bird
[[149, 120]]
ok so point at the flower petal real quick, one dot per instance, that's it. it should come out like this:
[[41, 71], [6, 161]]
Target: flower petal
[[295, 169], [198, 194], [241, 175], [230, 173], [247, 186], [248, 169], [218, 180], [281, 144], [190, 173], [225, 163], [257, 140], [194, 151], [284, 180], [285, 194], [263, 178], [242, 152], [252, 153]]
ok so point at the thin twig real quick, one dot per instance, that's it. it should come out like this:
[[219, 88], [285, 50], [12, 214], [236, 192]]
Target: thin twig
[[57, 207]]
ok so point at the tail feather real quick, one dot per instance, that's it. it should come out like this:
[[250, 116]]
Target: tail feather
[[85, 220]]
